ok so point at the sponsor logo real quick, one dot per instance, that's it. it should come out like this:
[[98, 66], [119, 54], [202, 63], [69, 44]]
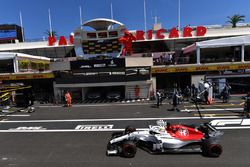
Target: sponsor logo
[[225, 122], [29, 128], [93, 127]]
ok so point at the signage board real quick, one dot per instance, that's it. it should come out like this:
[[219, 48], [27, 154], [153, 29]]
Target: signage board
[[198, 68], [95, 64], [8, 34], [198, 31], [26, 76]]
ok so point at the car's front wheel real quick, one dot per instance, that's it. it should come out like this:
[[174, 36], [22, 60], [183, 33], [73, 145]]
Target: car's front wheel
[[129, 149]]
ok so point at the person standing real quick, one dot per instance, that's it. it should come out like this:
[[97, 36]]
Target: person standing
[[187, 93], [68, 99], [225, 93], [247, 105], [175, 101], [206, 96], [137, 92], [158, 99], [194, 91]]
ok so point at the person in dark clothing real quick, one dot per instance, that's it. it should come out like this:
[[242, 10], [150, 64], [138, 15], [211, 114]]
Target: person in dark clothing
[[247, 106], [187, 93], [225, 93], [194, 91], [158, 98], [175, 101], [206, 96]]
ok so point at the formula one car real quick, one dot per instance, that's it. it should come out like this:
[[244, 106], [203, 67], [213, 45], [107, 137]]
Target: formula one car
[[166, 138]]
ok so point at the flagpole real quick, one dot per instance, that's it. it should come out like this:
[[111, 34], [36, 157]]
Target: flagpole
[[145, 17], [50, 25], [111, 11], [21, 22], [80, 11], [179, 15]]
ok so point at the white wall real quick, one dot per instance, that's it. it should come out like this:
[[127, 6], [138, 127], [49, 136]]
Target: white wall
[[59, 66], [196, 79], [138, 61]]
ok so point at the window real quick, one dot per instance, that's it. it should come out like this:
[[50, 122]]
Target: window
[[113, 34], [91, 35], [6, 66], [102, 34]]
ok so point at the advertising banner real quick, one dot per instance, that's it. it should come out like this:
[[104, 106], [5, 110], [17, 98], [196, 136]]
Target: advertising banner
[[95, 64], [27, 76], [198, 68]]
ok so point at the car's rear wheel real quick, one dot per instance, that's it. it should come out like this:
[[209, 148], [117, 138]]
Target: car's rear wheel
[[212, 150], [128, 149]]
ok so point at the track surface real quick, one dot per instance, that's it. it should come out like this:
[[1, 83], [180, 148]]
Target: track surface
[[77, 136]]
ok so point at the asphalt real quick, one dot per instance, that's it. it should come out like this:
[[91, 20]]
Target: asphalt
[[56, 136]]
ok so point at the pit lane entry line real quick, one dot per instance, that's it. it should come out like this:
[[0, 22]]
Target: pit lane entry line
[[99, 130], [115, 119]]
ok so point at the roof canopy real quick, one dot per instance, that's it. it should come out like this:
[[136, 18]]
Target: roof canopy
[[12, 55], [216, 43], [101, 23]]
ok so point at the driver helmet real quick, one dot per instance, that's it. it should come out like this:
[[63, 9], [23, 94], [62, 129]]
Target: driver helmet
[[161, 123]]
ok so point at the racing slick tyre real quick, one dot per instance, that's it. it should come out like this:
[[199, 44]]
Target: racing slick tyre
[[128, 149], [129, 129], [212, 150]]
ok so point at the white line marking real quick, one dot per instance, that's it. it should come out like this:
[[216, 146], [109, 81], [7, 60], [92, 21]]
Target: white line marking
[[62, 130], [223, 122], [99, 130], [16, 115], [232, 128], [117, 119], [100, 105], [214, 109]]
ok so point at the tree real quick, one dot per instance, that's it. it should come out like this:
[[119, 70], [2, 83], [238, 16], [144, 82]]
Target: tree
[[235, 19], [53, 33]]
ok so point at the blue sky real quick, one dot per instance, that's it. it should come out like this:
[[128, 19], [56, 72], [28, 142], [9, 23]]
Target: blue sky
[[65, 13]]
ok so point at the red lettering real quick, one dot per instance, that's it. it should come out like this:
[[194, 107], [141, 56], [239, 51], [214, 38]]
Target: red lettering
[[51, 40], [37, 76], [187, 32], [174, 33], [201, 68], [159, 34], [62, 41], [180, 69], [201, 30], [223, 67], [149, 34], [71, 39], [21, 77], [140, 35]]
